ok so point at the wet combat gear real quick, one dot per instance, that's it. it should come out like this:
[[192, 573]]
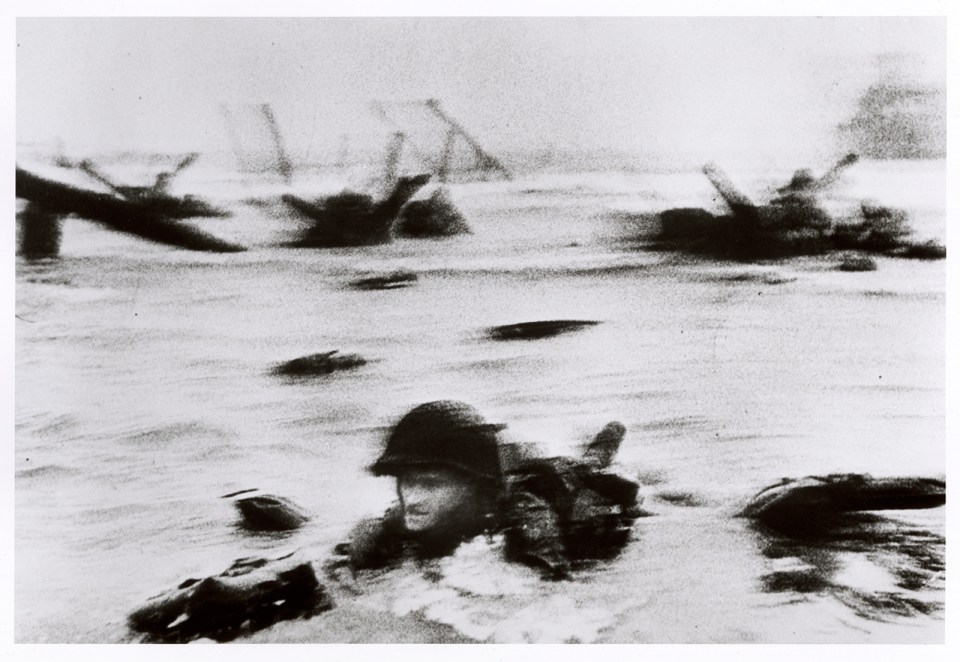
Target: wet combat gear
[[250, 595]]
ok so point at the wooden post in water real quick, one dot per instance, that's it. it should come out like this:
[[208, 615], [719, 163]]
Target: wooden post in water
[[39, 232]]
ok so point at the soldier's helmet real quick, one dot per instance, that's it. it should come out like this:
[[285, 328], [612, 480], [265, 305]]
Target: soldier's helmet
[[444, 433]]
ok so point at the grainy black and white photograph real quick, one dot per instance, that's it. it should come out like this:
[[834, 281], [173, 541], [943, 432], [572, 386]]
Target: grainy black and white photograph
[[393, 329]]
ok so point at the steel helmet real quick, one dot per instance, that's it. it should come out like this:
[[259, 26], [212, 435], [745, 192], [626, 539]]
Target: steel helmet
[[444, 433]]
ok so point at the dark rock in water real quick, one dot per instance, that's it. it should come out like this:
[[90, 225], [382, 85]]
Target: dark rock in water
[[265, 512], [319, 364], [435, 216], [857, 263], [250, 595], [534, 330], [392, 281], [353, 219], [808, 502]]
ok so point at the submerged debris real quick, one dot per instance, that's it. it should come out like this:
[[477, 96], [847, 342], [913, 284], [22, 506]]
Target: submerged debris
[[392, 281], [534, 330], [319, 364]]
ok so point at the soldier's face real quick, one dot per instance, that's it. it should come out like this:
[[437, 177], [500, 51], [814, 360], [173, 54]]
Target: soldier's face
[[434, 498]]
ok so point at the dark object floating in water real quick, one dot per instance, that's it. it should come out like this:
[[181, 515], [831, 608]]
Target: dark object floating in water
[[680, 498], [435, 216], [250, 595], [389, 282], [857, 263], [118, 213], [353, 219], [800, 504], [767, 278], [266, 512], [319, 364], [533, 330]]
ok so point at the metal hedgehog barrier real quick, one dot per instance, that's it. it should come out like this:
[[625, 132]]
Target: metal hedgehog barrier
[[49, 200]]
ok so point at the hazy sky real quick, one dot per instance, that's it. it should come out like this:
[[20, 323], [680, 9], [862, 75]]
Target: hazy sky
[[699, 86]]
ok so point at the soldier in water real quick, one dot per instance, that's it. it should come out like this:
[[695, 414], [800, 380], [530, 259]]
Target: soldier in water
[[451, 487], [444, 457]]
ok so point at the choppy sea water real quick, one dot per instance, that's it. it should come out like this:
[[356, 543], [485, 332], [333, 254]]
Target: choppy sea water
[[143, 393]]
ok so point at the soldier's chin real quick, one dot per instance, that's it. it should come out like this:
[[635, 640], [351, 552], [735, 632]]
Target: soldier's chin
[[418, 523]]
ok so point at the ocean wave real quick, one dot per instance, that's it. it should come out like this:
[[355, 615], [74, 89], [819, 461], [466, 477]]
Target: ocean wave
[[487, 599], [47, 471], [195, 431]]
